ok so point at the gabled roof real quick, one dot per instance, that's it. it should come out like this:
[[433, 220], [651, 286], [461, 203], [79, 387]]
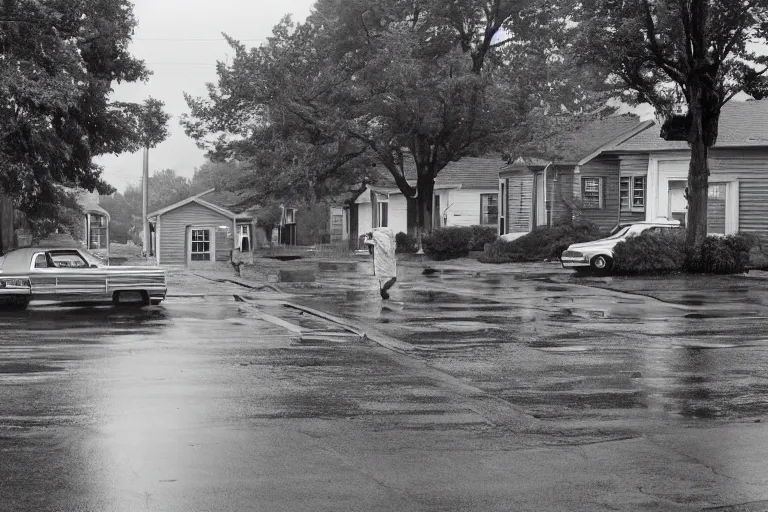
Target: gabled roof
[[580, 145], [209, 199], [467, 173], [742, 124]]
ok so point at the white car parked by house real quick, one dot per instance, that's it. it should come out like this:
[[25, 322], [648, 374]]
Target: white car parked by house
[[598, 254]]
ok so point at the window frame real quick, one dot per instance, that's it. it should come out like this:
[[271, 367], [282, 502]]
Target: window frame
[[382, 200], [486, 215], [204, 242], [600, 192], [100, 229], [631, 189], [64, 252]]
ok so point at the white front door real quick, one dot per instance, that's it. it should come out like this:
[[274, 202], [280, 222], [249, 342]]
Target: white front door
[[667, 182], [244, 237]]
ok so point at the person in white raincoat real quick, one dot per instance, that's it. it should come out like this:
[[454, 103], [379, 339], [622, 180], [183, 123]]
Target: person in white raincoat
[[384, 261]]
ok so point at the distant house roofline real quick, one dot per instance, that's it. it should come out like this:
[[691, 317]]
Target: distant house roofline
[[197, 199]]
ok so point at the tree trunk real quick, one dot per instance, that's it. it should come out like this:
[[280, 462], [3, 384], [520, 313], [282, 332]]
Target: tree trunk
[[6, 224], [424, 201], [698, 177]]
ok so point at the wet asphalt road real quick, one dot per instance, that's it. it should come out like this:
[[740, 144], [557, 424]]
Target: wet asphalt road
[[608, 351], [526, 391]]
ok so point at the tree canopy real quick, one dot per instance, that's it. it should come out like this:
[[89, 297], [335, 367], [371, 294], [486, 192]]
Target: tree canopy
[[402, 84], [702, 52], [58, 63]]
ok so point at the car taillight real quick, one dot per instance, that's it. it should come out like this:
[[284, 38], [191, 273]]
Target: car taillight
[[17, 283]]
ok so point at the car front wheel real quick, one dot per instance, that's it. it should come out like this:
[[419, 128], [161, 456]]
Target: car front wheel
[[601, 263]]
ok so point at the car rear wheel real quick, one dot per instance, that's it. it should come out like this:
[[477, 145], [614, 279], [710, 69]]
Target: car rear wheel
[[601, 263], [133, 298], [14, 303]]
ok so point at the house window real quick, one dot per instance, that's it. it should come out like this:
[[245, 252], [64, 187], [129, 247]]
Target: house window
[[489, 209], [632, 193], [290, 216], [383, 212], [97, 237], [592, 193], [201, 245]]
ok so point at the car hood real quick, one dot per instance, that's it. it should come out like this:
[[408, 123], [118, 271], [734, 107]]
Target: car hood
[[596, 244]]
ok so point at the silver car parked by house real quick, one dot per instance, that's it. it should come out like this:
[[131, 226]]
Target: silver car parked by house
[[598, 254], [70, 275]]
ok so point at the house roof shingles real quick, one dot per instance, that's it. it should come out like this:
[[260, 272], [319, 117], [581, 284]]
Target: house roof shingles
[[575, 145], [469, 172], [742, 124]]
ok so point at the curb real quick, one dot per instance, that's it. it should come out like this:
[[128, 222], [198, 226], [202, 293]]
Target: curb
[[240, 283], [496, 410]]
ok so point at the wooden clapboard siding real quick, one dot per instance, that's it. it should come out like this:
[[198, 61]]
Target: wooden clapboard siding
[[607, 168], [634, 165], [398, 213], [560, 187], [520, 203], [753, 205], [464, 206], [173, 232], [750, 167]]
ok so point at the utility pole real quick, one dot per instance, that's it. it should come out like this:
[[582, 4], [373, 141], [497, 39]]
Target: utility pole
[[145, 204]]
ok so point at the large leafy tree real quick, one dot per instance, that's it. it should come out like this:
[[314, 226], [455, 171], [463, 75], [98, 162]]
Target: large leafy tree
[[59, 60], [704, 50], [407, 85]]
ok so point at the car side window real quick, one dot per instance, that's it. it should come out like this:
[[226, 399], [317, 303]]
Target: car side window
[[41, 261], [69, 259]]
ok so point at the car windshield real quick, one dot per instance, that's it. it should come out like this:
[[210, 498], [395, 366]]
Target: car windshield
[[618, 234]]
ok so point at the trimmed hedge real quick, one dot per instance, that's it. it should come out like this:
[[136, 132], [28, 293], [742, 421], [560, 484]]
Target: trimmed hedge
[[405, 243], [456, 241], [665, 252], [725, 254], [482, 235], [650, 252], [542, 243]]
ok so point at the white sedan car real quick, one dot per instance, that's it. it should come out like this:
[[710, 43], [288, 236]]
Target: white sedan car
[[598, 254]]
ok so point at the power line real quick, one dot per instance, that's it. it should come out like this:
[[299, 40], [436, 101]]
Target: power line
[[191, 40], [179, 64]]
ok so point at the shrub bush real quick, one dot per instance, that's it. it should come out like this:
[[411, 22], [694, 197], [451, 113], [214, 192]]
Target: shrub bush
[[482, 235], [650, 252], [725, 254], [665, 252], [542, 243], [405, 243], [447, 243]]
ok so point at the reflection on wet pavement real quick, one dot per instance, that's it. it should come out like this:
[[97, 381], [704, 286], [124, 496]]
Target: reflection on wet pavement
[[566, 347]]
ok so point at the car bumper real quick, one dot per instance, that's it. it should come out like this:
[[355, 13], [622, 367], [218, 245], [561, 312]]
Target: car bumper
[[574, 261]]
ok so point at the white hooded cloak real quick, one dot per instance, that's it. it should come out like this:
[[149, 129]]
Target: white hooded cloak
[[384, 260]]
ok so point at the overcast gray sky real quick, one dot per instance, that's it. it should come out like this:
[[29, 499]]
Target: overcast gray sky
[[180, 40]]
